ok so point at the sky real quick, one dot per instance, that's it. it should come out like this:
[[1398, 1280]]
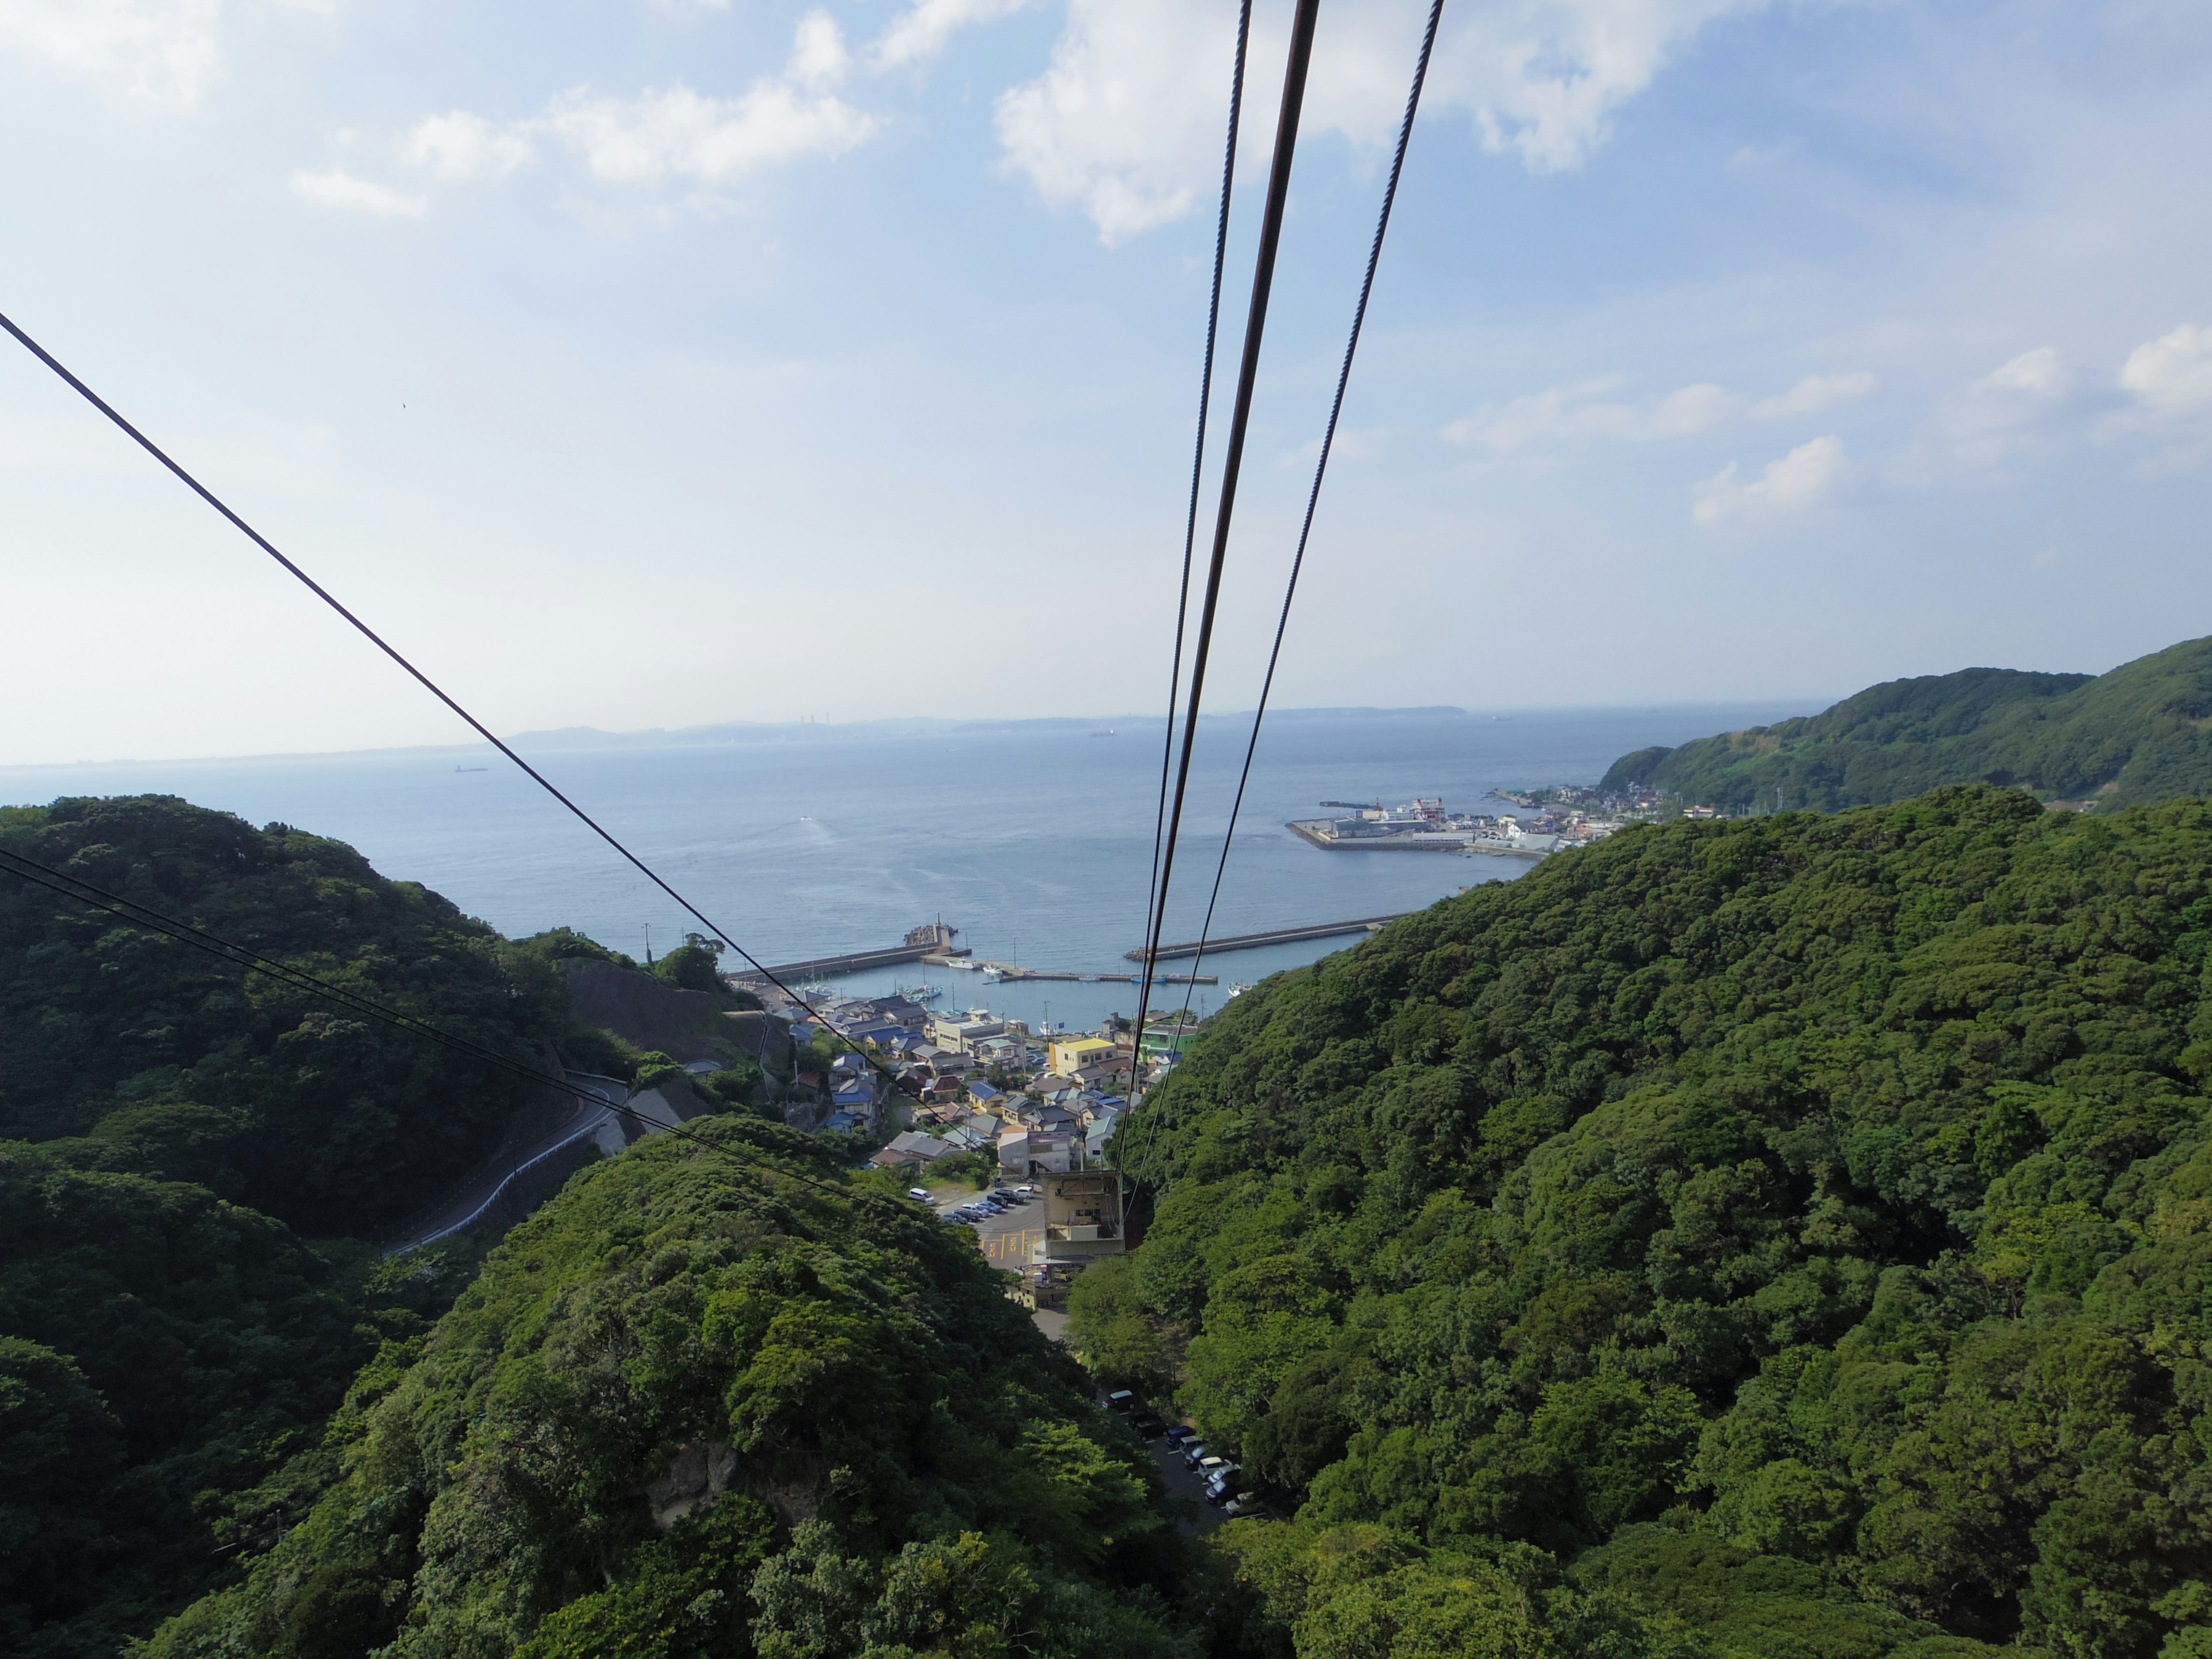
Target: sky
[[661, 362]]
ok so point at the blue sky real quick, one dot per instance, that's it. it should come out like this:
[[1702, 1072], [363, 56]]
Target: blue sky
[[658, 362]]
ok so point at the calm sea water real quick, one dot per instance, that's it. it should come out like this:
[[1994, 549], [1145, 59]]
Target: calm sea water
[[1034, 843]]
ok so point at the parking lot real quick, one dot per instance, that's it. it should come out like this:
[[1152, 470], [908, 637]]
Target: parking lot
[[1005, 1238], [1195, 1514]]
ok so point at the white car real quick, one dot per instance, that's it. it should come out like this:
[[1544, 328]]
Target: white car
[[919, 1194]]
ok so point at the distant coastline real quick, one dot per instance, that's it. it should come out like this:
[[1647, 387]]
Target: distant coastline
[[575, 739]]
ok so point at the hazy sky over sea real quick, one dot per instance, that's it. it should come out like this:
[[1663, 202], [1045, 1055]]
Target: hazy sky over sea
[[670, 361]]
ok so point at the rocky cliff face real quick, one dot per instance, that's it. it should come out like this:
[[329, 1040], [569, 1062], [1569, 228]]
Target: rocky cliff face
[[685, 1025]]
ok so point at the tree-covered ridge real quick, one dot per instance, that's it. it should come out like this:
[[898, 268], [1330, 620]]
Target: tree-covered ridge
[[699, 1405], [170, 1347], [125, 1050], [2142, 732], [1799, 1226]]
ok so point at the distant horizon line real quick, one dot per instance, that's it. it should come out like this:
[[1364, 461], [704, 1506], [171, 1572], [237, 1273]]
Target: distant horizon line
[[721, 733]]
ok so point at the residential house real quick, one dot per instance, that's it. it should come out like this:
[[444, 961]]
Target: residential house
[[1068, 1055], [901, 1011], [912, 1151], [1112, 1073], [996, 1051], [960, 1032]]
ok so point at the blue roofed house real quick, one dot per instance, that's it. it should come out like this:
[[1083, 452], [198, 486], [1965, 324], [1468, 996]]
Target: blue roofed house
[[841, 1123], [857, 1098]]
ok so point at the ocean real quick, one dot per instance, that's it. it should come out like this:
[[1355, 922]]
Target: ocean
[[1033, 840]]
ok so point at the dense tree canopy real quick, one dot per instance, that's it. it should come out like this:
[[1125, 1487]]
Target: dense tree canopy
[[147, 1055], [2139, 734], [171, 1126], [709, 1400], [1796, 1227]]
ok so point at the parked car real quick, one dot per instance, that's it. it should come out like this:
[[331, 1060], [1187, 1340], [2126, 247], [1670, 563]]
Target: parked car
[[1006, 1195], [1193, 1453], [1223, 1485], [1122, 1399], [920, 1194], [1211, 1465], [1248, 1503], [1148, 1425], [1179, 1433]]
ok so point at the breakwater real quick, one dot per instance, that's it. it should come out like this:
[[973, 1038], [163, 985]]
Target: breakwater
[[1272, 936]]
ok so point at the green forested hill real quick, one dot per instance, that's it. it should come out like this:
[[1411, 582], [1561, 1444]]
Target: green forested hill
[[1797, 1230], [168, 1338], [123, 1049], [2142, 732], [697, 1406]]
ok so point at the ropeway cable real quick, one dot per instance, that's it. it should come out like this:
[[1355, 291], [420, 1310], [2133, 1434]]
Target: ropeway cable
[[1320, 468], [1198, 454], [238, 956], [421, 678], [1255, 323]]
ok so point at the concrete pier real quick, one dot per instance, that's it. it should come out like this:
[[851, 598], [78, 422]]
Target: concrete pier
[[1272, 936]]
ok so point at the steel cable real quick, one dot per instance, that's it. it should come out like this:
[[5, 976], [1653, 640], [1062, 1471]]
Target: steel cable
[[1198, 454], [1255, 323], [1320, 468], [421, 678]]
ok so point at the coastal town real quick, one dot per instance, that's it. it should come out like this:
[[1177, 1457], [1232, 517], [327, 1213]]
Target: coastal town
[[1023, 1116], [958, 1099], [1563, 819]]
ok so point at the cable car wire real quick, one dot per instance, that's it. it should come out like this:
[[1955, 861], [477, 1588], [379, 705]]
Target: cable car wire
[[1320, 469], [1198, 455], [1255, 323], [421, 678]]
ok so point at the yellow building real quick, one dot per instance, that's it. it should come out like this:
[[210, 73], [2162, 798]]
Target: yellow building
[[1070, 1054]]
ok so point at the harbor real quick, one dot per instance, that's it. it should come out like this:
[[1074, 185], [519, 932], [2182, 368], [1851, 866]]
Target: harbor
[[932, 945], [1422, 825]]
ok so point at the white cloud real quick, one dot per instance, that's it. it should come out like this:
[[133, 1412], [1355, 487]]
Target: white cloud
[[675, 133], [921, 31], [679, 133], [1576, 412], [1544, 78], [2039, 375], [461, 146], [2173, 373], [1122, 118], [1796, 481], [818, 58], [1814, 393], [1990, 419], [153, 56], [342, 189], [1126, 120]]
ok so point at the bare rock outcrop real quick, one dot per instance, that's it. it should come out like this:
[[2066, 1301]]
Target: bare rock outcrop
[[685, 1025]]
